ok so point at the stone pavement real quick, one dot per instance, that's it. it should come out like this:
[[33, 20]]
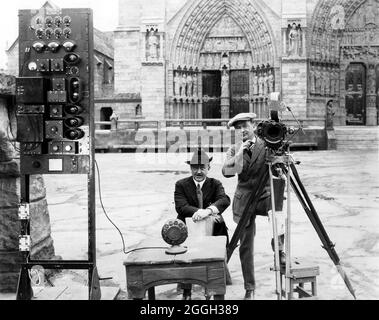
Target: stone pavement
[[137, 191]]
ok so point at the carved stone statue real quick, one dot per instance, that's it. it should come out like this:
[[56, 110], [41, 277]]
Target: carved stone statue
[[271, 80], [176, 84], [329, 115], [152, 43], [225, 84], [255, 84], [195, 85], [294, 40], [265, 84], [261, 84], [189, 86], [182, 87]]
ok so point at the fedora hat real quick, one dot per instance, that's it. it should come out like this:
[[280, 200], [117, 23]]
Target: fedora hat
[[199, 157]]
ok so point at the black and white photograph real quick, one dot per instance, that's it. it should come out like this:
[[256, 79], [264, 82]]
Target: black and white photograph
[[198, 150]]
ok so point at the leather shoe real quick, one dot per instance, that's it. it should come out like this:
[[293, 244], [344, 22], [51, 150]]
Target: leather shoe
[[249, 295], [186, 294]]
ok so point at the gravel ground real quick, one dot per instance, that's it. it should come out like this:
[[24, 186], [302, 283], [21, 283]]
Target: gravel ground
[[137, 191]]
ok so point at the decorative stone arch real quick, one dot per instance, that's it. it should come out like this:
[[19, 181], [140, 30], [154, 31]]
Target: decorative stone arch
[[189, 40], [338, 48], [204, 14]]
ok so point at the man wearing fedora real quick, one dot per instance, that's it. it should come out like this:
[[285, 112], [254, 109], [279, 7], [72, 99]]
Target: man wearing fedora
[[200, 197], [247, 159]]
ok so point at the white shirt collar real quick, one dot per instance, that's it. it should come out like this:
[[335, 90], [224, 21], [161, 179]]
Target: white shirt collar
[[201, 183]]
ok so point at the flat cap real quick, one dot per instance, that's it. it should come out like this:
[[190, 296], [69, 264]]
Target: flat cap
[[241, 117]]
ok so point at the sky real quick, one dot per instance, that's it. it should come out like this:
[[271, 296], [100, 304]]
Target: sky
[[105, 17]]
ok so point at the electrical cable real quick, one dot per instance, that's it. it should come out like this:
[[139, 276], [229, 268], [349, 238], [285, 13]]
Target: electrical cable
[[110, 220]]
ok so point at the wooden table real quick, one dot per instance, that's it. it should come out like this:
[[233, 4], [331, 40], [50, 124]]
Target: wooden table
[[203, 264]]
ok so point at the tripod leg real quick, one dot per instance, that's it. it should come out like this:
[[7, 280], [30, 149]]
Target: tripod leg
[[316, 222], [24, 288], [252, 203], [275, 236]]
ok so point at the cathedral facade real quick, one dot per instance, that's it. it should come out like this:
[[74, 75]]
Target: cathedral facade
[[211, 59]]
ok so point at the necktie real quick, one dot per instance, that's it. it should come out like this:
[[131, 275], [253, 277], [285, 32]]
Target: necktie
[[199, 195]]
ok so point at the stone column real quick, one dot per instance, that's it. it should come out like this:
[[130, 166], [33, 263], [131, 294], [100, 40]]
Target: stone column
[[42, 243], [371, 111]]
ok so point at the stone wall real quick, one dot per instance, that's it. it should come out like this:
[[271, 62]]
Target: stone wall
[[42, 243], [294, 86]]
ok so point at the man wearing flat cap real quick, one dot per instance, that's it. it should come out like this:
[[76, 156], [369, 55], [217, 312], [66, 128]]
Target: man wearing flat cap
[[200, 197], [247, 159]]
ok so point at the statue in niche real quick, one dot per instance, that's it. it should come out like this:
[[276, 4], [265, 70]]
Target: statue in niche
[[189, 86], [294, 39], [261, 84], [152, 43], [255, 84], [271, 80], [182, 88], [195, 84], [177, 84], [265, 84], [329, 115], [225, 84]]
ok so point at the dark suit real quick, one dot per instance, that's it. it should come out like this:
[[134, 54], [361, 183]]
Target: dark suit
[[248, 170], [186, 203]]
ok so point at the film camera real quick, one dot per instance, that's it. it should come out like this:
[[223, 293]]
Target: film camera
[[273, 132]]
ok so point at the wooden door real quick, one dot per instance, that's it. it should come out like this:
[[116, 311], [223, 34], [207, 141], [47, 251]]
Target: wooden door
[[356, 94], [239, 92], [211, 94]]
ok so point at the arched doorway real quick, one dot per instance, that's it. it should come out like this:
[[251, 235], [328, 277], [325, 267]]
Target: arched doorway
[[355, 94], [222, 61], [344, 39]]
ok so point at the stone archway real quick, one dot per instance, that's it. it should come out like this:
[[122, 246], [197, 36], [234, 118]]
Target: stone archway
[[220, 36], [343, 32]]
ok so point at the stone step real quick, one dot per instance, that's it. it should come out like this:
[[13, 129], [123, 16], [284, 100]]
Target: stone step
[[357, 138]]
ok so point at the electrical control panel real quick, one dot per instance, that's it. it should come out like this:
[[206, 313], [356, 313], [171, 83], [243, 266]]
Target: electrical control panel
[[54, 91]]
